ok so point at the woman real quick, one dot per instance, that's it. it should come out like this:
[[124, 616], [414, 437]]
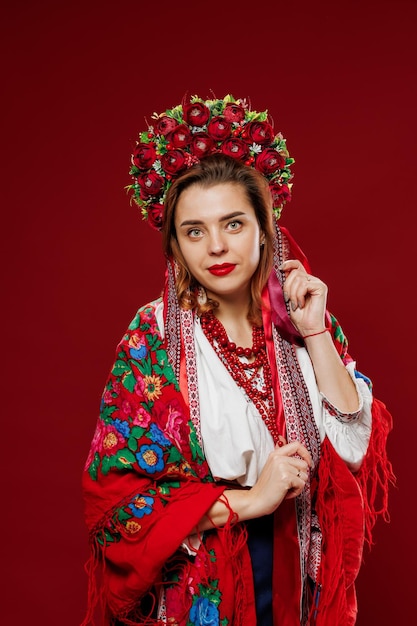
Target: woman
[[235, 465]]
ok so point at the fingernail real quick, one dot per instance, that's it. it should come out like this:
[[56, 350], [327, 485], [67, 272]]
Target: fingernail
[[294, 306], [286, 298]]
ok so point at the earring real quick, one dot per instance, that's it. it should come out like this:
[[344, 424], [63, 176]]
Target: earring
[[201, 295]]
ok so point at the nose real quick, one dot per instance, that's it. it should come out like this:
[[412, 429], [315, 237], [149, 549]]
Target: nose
[[217, 243]]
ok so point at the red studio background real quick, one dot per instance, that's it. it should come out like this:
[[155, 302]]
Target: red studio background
[[79, 78]]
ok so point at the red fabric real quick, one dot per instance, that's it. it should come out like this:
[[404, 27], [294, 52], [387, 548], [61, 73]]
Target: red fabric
[[267, 323], [286, 584], [294, 250], [348, 506], [286, 587], [134, 564]]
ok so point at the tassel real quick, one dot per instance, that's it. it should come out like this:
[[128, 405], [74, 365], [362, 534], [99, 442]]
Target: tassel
[[376, 473]]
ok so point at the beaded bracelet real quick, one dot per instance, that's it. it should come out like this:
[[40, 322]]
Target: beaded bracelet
[[319, 333]]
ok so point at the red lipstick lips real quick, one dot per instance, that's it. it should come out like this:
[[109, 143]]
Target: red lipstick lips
[[221, 270]]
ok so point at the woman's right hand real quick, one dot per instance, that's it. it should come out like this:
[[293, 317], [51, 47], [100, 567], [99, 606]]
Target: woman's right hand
[[284, 476]]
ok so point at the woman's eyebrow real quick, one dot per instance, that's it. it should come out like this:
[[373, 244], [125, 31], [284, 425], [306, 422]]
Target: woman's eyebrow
[[222, 219]]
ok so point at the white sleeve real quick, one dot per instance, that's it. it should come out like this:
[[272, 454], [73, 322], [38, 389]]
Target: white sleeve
[[349, 433]]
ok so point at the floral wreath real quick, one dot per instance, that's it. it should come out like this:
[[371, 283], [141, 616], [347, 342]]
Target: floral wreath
[[187, 133]]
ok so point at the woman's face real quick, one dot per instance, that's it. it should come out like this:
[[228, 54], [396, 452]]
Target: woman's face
[[219, 237]]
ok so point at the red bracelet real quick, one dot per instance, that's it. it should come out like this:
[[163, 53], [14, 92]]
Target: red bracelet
[[319, 333]]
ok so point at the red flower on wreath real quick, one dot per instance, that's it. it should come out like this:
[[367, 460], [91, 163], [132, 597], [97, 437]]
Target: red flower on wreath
[[269, 161], [280, 194], [219, 128], [180, 136], [259, 132], [173, 161], [150, 184], [144, 155], [165, 125], [201, 145], [155, 214], [234, 112], [235, 148], [196, 113]]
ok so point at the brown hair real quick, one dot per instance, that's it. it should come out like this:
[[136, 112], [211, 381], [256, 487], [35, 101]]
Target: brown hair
[[214, 170]]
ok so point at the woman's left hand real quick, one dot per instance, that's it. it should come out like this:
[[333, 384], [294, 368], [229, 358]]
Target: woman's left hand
[[307, 297]]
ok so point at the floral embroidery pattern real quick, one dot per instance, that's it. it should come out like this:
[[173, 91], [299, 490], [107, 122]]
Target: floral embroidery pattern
[[141, 505], [141, 427], [205, 608], [150, 458]]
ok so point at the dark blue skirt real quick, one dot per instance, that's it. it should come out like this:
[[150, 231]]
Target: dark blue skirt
[[260, 544]]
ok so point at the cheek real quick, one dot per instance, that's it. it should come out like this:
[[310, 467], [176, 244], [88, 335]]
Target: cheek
[[190, 255], [254, 252]]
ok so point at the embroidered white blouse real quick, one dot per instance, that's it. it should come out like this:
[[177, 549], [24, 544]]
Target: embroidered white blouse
[[236, 440]]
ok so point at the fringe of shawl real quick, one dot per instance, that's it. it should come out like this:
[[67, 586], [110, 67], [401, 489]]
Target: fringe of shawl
[[230, 543], [347, 525], [230, 538], [376, 473]]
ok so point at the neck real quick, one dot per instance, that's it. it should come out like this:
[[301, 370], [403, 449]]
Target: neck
[[234, 307], [234, 318]]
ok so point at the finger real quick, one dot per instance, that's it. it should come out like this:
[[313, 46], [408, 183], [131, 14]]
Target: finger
[[295, 447], [302, 474], [291, 264], [302, 288], [298, 484], [296, 285], [298, 291]]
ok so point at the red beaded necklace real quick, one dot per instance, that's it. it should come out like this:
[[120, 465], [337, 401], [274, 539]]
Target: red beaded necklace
[[245, 373]]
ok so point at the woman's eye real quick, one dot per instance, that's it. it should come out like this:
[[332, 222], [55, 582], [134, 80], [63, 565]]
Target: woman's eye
[[194, 232], [234, 225]]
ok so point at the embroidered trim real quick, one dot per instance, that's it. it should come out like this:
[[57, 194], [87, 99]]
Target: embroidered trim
[[344, 418], [301, 426], [187, 325], [172, 322]]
